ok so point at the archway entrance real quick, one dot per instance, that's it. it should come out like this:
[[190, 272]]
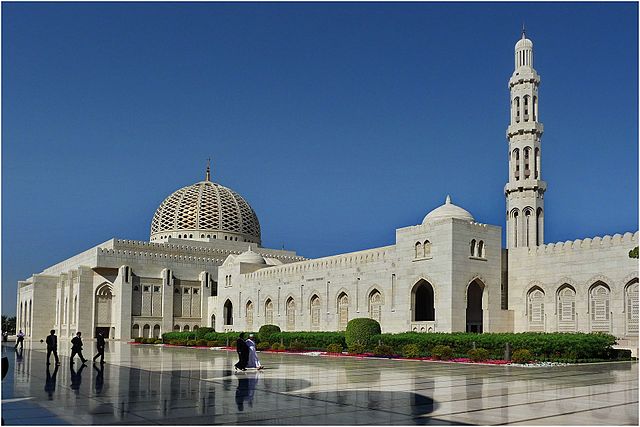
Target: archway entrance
[[103, 314], [228, 313], [474, 306], [423, 302]]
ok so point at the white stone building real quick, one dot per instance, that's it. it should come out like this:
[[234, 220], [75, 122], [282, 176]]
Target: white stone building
[[204, 266]]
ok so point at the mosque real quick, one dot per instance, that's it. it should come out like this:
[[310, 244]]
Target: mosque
[[204, 266]]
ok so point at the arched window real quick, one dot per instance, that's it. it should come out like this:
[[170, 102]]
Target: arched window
[[249, 315], [135, 331], [228, 312], [514, 233], [375, 305], [315, 313], [145, 331], [423, 303], [517, 109], [186, 328], [527, 227], [481, 249], [526, 108], [631, 307], [516, 163], [419, 250], [213, 321], [195, 327], [104, 300], [268, 312], [599, 307], [291, 314], [536, 163], [472, 249], [566, 308], [535, 108], [156, 331], [539, 227], [427, 248], [527, 157], [176, 328], [343, 311], [535, 301]]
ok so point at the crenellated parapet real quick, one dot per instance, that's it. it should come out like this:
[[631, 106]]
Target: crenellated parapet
[[121, 253], [352, 259], [626, 239]]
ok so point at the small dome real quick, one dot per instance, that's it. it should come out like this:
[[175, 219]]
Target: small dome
[[524, 43], [250, 257], [448, 210]]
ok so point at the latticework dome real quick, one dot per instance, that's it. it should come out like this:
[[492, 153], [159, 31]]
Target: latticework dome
[[203, 211]]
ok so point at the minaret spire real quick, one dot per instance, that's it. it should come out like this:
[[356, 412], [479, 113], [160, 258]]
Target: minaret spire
[[208, 176], [524, 35]]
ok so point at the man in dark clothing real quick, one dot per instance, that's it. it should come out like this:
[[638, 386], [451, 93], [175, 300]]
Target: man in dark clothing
[[76, 378], [76, 348], [20, 339], [100, 344], [243, 353], [52, 347]]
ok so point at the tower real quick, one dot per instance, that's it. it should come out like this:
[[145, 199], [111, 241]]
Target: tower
[[525, 189]]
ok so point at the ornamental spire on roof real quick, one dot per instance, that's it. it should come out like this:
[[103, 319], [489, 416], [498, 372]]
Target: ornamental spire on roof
[[448, 201], [524, 36], [208, 176]]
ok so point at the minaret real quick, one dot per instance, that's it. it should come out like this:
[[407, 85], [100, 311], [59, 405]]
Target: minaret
[[525, 189]]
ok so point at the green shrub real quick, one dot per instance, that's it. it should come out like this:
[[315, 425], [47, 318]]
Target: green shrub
[[334, 348], [356, 348], [310, 340], [265, 332], [521, 356], [442, 352], [192, 343], [383, 350], [149, 340], [158, 341], [296, 346], [212, 344], [478, 354], [411, 350], [138, 339], [264, 345], [361, 331], [201, 332], [201, 343], [277, 346]]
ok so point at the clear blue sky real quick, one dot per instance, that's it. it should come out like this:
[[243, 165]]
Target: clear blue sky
[[338, 122]]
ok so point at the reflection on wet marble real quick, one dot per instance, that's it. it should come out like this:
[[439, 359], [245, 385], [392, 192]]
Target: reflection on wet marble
[[141, 384]]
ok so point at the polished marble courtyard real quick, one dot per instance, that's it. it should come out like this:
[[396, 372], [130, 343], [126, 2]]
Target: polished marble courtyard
[[143, 384]]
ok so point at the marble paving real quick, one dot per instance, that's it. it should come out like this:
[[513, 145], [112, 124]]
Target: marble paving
[[143, 384]]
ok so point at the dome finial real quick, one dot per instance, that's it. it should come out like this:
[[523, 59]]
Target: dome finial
[[208, 176], [448, 201], [524, 36]]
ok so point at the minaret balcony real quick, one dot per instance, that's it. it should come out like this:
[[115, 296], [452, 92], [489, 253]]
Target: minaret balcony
[[524, 128], [524, 185]]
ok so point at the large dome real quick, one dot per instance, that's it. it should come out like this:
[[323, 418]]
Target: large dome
[[203, 211]]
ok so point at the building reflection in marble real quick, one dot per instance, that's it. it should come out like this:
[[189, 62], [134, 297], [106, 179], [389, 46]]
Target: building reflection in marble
[[171, 385]]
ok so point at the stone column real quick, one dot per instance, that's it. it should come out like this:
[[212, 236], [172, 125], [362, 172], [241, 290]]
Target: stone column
[[167, 300], [121, 318]]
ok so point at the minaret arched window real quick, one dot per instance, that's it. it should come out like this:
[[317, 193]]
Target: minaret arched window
[[517, 109], [514, 233], [481, 249], [472, 249], [534, 108], [419, 250], [527, 157], [526, 108], [427, 248], [539, 224], [516, 163], [527, 227], [536, 163]]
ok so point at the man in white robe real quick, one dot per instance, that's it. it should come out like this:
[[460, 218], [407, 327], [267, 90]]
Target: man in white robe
[[253, 356]]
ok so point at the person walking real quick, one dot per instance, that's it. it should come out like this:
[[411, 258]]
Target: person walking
[[252, 361], [243, 353], [52, 347], [76, 348], [20, 339], [100, 344]]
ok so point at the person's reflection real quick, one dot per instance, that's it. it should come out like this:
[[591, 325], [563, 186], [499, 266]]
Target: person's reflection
[[99, 377], [19, 355], [76, 378], [246, 387], [50, 382]]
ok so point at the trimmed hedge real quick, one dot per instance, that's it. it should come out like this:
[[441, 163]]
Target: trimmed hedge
[[543, 346], [309, 340], [361, 331]]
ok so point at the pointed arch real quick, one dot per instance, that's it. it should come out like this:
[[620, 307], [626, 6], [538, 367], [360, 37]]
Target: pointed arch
[[248, 313], [472, 247], [290, 309], [423, 302], [600, 306], [474, 311], [535, 308], [227, 310], [268, 311], [315, 307], [375, 305], [418, 250], [631, 306], [342, 303], [135, 331], [566, 308], [426, 246]]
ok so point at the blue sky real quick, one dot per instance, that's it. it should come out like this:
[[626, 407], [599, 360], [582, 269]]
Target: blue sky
[[337, 122]]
